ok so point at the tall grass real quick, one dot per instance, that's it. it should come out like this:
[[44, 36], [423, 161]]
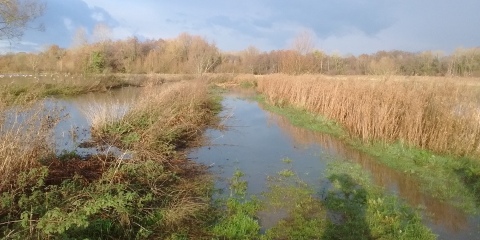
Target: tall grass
[[100, 114], [156, 194], [421, 175], [25, 137], [438, 114], [164, 119]]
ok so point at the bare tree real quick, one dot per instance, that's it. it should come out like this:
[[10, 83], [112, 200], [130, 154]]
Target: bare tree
[[33, 60], [249, 57], [80, 39], [15, 15], [304, 42], [102, 33], [205, 56]]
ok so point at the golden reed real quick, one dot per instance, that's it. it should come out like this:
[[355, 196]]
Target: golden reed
[[439, 114]]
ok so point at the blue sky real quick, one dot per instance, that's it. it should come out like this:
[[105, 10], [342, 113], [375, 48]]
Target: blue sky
[[338, 26]]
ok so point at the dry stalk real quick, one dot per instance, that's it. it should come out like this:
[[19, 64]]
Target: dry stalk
[[26, 136], [437, 113]]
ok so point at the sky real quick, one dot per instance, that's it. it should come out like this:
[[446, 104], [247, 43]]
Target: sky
[[337, 26]]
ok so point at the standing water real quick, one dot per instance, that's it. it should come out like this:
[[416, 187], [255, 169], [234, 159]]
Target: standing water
[[256, 141], [73, 132]]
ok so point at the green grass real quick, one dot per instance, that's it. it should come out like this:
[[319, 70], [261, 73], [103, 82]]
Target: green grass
[[351, 208], [238, 220], [287, 160], [304, 119], [286, 173], [453, 179], [19, 92], [123, 203], [306, 214], [365, 211], [448, 178]]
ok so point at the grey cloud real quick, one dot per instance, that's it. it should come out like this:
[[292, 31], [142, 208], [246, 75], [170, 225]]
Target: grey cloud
[[333, 17], [244, 26], [56, 12]]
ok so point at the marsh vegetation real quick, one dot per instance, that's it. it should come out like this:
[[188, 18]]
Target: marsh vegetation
[[425, 127], [398, 157], [156, 192], [150, 188]]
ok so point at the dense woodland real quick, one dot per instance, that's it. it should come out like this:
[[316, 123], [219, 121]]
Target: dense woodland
[[193, 54]]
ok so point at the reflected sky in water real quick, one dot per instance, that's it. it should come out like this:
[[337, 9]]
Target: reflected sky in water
[[255, 141]]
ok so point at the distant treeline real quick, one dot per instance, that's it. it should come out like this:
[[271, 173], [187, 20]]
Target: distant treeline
[[193, 54]]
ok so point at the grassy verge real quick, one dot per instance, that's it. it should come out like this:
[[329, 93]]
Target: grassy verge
[[449, 178], [363, 211], [155, 194], [20, 90], [352, 208], [305, 119]]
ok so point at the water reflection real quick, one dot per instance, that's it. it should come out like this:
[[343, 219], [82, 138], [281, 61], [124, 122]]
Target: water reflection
[[256, 142], [74, 130], [440, 214]]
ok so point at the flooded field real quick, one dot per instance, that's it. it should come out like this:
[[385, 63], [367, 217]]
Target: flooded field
[[256, 141], [260, 144], [73, 132]]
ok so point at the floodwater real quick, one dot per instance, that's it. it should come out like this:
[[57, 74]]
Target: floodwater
[[73, 130], [256, 141]]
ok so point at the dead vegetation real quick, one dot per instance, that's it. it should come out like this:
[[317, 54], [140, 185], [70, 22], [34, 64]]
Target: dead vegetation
[[25, 137], [155, 193], [439, 114]]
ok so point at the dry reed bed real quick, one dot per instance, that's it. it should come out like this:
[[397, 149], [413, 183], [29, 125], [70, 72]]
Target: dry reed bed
[[100, 114], [177, 112], [438, 114], [25, 137], [164, 118]]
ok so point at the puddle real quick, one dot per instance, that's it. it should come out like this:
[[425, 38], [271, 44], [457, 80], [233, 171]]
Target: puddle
[[256, 141]]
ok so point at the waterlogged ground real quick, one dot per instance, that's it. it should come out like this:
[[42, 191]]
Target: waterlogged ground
[[263, 144], [72, 133]]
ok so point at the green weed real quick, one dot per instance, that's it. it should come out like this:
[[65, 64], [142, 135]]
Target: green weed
[[125, 202], [306, 216], [352, 208], [362, 211], [286, 173], [287, 160], [304, 119], [239, 221]]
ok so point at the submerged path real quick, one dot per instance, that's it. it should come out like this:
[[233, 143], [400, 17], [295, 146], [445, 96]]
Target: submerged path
[[256, 141]]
